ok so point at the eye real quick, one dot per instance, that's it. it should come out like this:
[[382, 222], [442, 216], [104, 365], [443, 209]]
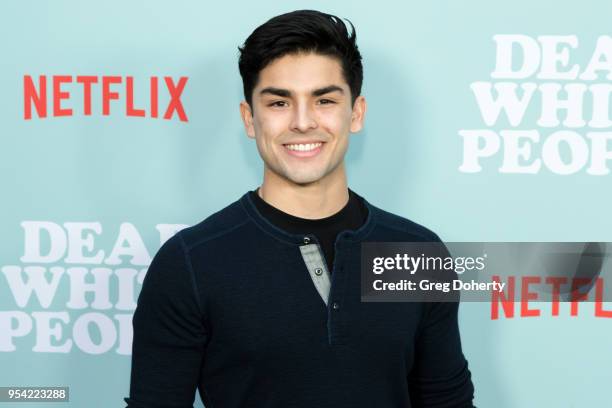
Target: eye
[[325, 101], [278, 103]]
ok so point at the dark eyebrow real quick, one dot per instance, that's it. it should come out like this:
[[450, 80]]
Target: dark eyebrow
[[275, 91], [285, 93], [327, 89]]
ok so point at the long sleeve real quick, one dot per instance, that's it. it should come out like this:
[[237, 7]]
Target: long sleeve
[[169, 333], [440, 377]]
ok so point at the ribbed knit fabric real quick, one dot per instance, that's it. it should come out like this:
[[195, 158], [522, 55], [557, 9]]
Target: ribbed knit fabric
[[228, 307]]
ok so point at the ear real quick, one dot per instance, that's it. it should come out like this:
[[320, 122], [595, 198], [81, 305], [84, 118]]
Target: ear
[[247, 118], [358, 114]]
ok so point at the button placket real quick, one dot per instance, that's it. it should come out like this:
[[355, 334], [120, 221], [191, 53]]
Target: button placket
[[337, 311], [315, 264]]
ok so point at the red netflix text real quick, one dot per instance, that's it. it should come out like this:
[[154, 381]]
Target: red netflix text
[[507, 299], [112, 88]]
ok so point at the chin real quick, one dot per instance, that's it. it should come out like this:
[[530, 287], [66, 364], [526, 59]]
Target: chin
[[304, 178]]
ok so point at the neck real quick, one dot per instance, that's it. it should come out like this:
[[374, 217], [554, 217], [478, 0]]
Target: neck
[[315, 200]]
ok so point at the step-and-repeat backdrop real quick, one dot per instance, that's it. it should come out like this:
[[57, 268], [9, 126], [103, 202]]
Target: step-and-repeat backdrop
[[486, 121]]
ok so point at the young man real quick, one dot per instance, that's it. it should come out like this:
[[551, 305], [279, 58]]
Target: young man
[[259, 304]]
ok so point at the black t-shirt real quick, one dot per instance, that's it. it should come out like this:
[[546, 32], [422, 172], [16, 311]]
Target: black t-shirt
[[350, 217]]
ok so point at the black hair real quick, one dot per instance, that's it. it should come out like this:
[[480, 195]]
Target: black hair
[[301, 31]]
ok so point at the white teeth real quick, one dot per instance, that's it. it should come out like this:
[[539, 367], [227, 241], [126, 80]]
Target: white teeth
[[303, 147]]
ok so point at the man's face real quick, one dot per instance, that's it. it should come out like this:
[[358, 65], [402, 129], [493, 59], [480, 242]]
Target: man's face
[[301, 116]]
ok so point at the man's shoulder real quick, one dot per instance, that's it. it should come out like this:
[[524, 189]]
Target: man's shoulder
[[403, 227], [225, 221]]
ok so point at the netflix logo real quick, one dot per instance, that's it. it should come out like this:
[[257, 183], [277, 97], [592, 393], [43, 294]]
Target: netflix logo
[[519, 292], [37, 95]]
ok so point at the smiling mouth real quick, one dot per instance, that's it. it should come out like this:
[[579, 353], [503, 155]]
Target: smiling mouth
[[304, 149]]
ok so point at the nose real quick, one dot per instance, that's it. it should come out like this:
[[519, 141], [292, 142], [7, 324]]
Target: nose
[[303, 118]]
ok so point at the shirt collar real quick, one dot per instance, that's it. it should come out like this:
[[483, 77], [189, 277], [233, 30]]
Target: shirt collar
[[299, 239]]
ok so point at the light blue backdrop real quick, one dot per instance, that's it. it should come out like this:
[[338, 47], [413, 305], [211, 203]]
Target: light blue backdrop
[[419, 60]]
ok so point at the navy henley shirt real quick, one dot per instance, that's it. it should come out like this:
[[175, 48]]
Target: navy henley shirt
[[228, 307]]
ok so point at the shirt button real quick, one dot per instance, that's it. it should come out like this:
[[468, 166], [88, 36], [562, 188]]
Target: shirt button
[[335, 305], [318, 271], [306, 240]]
